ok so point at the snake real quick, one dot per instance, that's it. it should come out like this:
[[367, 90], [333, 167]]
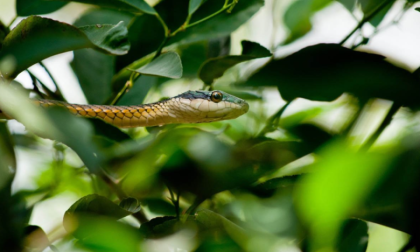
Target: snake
[[189, 107]]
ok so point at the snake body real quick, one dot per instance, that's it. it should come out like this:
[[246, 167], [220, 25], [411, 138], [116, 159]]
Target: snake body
[[188, 107]]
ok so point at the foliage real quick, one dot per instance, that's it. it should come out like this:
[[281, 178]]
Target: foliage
[[235, 185]]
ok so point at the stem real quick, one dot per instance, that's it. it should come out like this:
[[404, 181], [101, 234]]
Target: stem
[[366, 19], [36, 89], [192, 209], [57, 89], [11, 22], [387, 120], [211, 16], [276, 117], [140, 216], [159, 50], [45, 88]]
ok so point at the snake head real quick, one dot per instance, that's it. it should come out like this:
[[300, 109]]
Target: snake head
[[207, 106]]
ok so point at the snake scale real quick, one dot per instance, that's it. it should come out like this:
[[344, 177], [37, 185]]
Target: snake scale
[[188, 107]]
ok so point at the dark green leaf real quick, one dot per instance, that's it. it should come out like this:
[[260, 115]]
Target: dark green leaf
[[93, 205], [139, 91], [134, 6], [109, 131], [370, 6], [166, 65], [269, 187], [93, 68], [131, 205], [37, 7], [353, 236], [193, 6], [98, 233], [159, 206], [35, 238], [7, 155], [325, 71], [52, 37], [298, 17], [110, 38], [175, 13], [214, 68]]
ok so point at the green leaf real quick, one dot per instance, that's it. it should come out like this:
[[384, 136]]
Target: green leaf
[[93, 68], [298, 16], [52, 37], [166, 65], [324, 72], [37, 7], [353, 236], [341, 181], [7, 155], [193, 6], [269, 187], [110, 38], [370, 6], [55, 123], [98, 233], [133, 6], [215, 67], [131, 205], [93, 205]]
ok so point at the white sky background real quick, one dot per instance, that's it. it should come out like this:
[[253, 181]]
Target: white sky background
[[399, 42]]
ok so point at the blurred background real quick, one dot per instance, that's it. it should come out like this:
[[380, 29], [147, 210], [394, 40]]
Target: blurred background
[[278, 27]]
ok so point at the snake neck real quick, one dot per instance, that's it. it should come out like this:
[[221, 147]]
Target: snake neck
[[153, 114]]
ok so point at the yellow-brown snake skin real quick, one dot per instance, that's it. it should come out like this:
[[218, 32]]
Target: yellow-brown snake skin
[[188, 107]]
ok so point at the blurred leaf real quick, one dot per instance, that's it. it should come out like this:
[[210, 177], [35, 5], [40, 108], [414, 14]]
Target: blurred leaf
[[92, 205], [193, 6], [215, 68], [134, 6], [14, 217], [370, 6], [98, 233], [312, 135], [159, 206], [298, 17], [52, 37], [3, 32], [160, 227], [166, 65], [95, 69], [55, 123], [353, 236], [7, 155], [131, 205], [37, 7], [325, 71], [341, 182], [109, 131], [35, 239], [270, 187]]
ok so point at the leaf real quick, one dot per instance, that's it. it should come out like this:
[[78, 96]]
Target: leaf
[[215, 67], [110, 38], [193, 6], [98, 233], [297, 17], [93, 68], [93, 205], [353, 236], [166, 65], [174, 14], [131, 205], [369, 6], [55, 123], [324, 72], [35, 238], [7, 155], [269, 187], [51, 37], [341, 181], [37, 7]]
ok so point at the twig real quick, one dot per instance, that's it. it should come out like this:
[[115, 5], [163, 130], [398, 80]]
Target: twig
[[57, 89], [387, 120], [276, 117], [366, 19]]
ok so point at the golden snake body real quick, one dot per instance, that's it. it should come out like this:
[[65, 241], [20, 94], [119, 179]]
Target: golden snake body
[[189, 107]]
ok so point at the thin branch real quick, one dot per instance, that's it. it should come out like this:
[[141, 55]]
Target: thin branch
[[11, 22], [387, 120], [366, 19], [57, 92], [274, 119]]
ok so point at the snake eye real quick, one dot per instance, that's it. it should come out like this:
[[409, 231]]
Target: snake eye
[[216, 96]]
